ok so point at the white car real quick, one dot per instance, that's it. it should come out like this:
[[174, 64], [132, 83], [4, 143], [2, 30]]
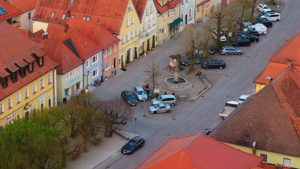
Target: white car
[[140, 93], [166, 99], [263, 8], [260, 28], [243, 98], [272, 16], [222, 37], [160, 108]]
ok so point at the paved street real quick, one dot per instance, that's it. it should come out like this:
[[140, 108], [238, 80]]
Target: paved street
[[235, 80]]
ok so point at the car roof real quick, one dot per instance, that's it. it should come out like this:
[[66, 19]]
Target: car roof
[[167, 96], [244, 96], [233, 102], [127, 92], [139, 88], [137, 138]]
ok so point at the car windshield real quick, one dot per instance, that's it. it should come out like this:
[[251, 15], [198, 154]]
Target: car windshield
[[159, 98], [156, 106], [130, 96], [141, 93], [131, 143]]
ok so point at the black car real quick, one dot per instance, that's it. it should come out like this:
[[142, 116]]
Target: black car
[[186, 62], [242, 42], [252, 38], [250, 32], [214, 64], [206, 131], [132, 145], [212, 50], [129, 97], [264, 21], [198, 60]]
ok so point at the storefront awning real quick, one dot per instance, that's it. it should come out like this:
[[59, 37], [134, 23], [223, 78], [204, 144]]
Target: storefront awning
[[176, 22]]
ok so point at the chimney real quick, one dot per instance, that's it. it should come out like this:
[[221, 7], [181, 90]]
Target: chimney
[[68, 13], [66, 27], [254, 148]]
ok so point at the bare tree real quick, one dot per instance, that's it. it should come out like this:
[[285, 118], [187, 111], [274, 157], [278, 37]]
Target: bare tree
[[113, 114], [153, 73], [218, 14], [188, 44]]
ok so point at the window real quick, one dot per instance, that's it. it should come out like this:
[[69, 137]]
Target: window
[[132, 20], [95, 59], [29, 15], [190, 13], [22, 72], [127, 37], [18, 97], [265, 157], [88, 18], [49, 78], [42, 83], [72, 2], [199, 9], [95, 72], [105, 52], [132, 35], [84, 18], [4, 82], [26, 93], [207, 5], [1, 108], [43, 103], [67, 92], [52, 15], [107, 66], [34, 88], [87, 63], [163, 30], [109, 52], [34, 106], [41, 61], [136, 32], [115, 47], [286, 162], [129, 8], [123, 39], [14, 77], [127, 22], [31, 68], [50, 101], [10, 103], [77, 85], [63, 17]]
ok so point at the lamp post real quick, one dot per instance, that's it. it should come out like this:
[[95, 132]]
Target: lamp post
[[135, 125]]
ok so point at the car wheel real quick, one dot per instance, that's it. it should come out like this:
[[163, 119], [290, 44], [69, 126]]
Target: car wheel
[[277, 20], [239, 53], [168, 111], [155, 112], [221, 67], [173, 104], [226, 54], [248, 44], [257, 40]]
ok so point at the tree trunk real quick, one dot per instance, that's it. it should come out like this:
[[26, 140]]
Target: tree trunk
[[108, 130]]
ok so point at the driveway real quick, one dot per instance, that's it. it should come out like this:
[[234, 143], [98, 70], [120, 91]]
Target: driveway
[[235, 80]]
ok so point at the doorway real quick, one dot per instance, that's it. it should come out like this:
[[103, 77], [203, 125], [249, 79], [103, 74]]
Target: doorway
[[186, 19], [88, 79]]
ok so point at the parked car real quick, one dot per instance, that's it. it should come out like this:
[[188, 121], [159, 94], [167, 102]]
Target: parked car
[[252, 38], [198, 60], [222, 36], [140, 93], [133, 145], [166, 99], [242, 42], [129, 97], [263, 8], [230, 106], [264, 21], [186, 62], [214, 64], [206, 131], [274, 16], [259, 27], [198, 52], [212, 50], [250, 32], [243, 98], [160, 108], [229, 50], [246, 24]]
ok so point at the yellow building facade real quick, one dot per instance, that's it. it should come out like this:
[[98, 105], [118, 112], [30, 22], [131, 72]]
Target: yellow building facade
[[129, 34], [163, 23], [37, 94], [202, 8], [271, 157], [258, 87]]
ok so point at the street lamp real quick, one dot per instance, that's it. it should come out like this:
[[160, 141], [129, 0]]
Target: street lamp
[[135, 125]]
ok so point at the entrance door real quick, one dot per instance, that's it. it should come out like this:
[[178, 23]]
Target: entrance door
[[128, 55], [186, 19], [114, 62], [88, 79], [148, 44], [153, 40]]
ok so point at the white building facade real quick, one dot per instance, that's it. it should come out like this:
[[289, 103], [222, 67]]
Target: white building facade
[[187, 9]]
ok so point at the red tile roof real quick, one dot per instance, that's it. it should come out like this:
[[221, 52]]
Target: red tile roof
[[24, 5], [140, 6], [105, 11], [169, 5], [17, 49], [271, 118], [199, 151], [12, 11], [288, 54]]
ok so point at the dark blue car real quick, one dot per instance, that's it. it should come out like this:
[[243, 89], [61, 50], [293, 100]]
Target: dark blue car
[[129, 97], [133, 144], [214, 64]]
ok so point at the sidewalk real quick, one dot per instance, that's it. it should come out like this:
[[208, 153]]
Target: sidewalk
[[97, 154]]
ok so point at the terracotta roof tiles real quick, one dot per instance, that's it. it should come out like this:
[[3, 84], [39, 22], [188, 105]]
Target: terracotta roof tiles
[[12, 10], [24, 5], [169, 5], [140, 6]]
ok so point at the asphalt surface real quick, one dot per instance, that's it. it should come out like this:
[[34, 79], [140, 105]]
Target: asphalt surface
[[202, 113]]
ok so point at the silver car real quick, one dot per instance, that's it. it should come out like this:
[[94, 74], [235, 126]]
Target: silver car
[[167, 99], [140, 93], [160, 108], [229, 50]]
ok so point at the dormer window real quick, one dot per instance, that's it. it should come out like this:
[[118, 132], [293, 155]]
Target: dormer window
[[22, 72], [14, 77], [72, 2], [41, 61], [4, 82], [31, 67], [129, 8], [52, 15], [63, 17]]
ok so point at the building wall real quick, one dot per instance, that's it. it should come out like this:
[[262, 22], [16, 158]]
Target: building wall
[[272, 158], [90, 67], [187, 9], [148, 26], [163, 21], [258, 87], [70, 83], [129, 34], [34, 100], [26, 20], [202, 8], [37, 25], [110, 60]]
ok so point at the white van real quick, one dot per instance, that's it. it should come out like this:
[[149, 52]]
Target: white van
[[166, 99], [230, 106]]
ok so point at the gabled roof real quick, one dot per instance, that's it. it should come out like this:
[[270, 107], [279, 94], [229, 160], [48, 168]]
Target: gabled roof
[[62, 55], [17, 50], [169, 5], [289, 54], [105, 11], [11, 10], [24, 5], [140, 6], [270, 118], [199, 151]]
